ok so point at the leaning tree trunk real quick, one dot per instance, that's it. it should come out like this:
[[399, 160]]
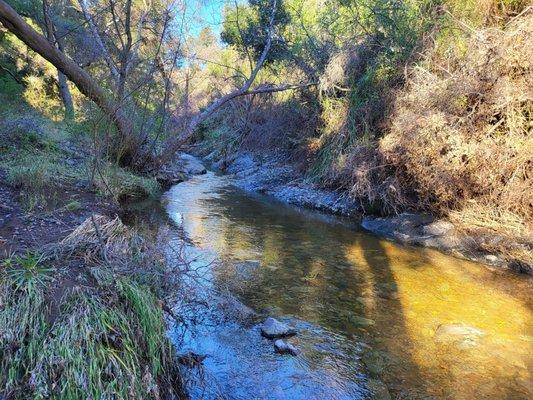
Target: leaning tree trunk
[[66, 97], [84, 82]]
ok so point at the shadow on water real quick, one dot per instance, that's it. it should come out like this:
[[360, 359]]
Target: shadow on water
[[367, 311], [321, 270]]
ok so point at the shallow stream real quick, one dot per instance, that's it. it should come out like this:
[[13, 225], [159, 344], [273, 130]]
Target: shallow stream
[[372, 316]]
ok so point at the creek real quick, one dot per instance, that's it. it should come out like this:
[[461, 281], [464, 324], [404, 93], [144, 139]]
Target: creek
[[372, 316]]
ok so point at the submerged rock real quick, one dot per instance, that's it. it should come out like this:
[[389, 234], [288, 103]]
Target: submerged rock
[[272, 329], [463, 335], [234, 308], [283, 347]]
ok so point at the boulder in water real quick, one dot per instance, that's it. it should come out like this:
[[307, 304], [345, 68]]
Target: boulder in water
[[272, 329]]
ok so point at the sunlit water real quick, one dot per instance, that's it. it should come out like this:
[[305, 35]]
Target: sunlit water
[[368, 311]]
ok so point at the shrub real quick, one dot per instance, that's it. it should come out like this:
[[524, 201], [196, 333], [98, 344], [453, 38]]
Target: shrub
[[121, 184], [461, 138]]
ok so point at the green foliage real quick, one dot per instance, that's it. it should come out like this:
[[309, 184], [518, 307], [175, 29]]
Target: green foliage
[[26, 271], [122, 184], [10, 87], [246, 28], [143, 304]]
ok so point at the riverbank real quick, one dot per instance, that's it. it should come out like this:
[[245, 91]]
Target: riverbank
[[276, 177], [82, 296]]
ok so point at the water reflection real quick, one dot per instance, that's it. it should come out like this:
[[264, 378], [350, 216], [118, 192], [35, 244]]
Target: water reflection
[[431, 326]]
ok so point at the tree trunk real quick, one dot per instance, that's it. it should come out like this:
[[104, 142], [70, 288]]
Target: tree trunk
[[85, 83], [62, 83], [66, 97]]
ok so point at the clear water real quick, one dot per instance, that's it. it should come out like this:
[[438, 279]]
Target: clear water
[[369, 312]]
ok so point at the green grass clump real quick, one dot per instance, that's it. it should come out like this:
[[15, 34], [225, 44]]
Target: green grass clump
[[31, 156], [26, 271], [37, 171], [121, 184], [105, 342]]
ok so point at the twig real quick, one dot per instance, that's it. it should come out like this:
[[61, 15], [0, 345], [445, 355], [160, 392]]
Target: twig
[[100, 239]]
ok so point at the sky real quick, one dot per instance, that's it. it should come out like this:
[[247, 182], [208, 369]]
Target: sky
[[202, 13]]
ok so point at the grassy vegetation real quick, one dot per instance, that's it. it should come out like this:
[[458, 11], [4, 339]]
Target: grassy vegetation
[[121, 184], [40, 157], [104, 338], [77, 321]]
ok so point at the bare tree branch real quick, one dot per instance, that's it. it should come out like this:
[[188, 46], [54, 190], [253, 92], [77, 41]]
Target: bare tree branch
[[96, 35], [175, 143]]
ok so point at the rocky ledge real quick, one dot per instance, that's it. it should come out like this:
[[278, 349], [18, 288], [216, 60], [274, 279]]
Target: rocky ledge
[[427, 231], [271, 175]]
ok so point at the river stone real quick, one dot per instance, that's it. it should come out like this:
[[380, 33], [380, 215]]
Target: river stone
[[192, 165], [272, 329], [283, 347], [457, 332], [378, 390]]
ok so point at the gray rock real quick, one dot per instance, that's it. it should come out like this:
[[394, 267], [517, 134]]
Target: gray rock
[[283, 347], [438, 228], [521, 266], [491, 258], [276, 177], [272, 329], [192, 165]]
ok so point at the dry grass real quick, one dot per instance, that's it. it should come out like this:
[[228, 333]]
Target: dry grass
[[458, 142], [461, 137]]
